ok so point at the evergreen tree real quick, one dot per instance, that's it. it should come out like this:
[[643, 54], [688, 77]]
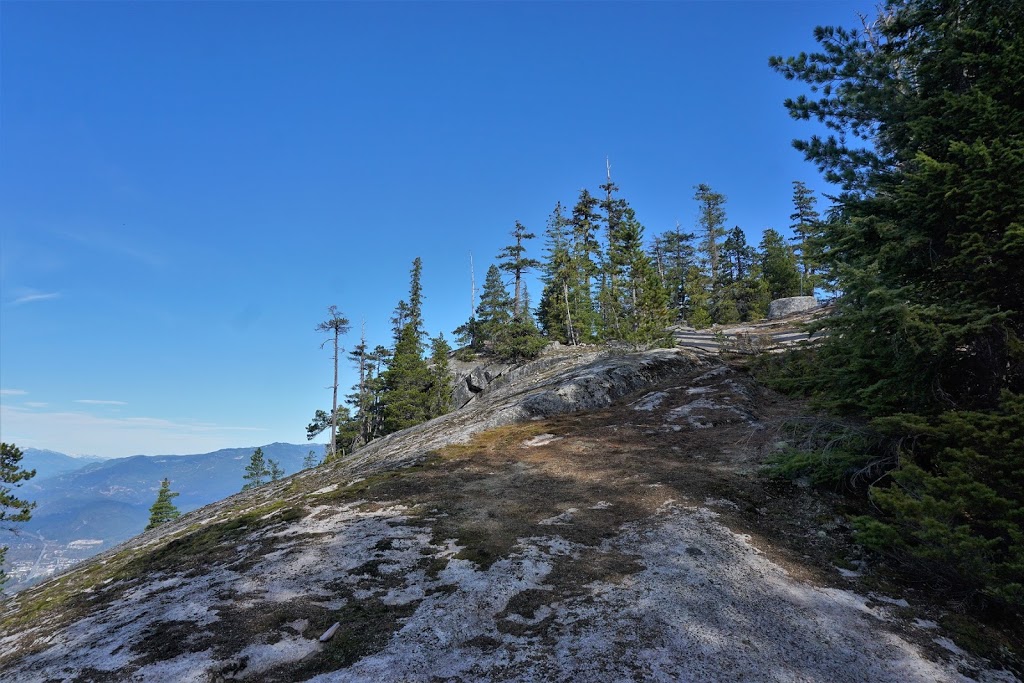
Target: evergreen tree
[[406, 400], [163, 510], [494, 312], [587, 258], [440, 377], [310, 460], [926, 240], [12, 508], [710, 230], [275, 470], [337, 325], [806, 229], [565, 288], [674, 255], [256, 472], [515, 262], [779, 266]]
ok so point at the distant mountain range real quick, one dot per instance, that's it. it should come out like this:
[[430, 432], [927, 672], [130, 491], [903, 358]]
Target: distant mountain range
[[86, 505]]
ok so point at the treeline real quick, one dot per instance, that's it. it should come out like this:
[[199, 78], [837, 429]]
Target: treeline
[[601, 282]]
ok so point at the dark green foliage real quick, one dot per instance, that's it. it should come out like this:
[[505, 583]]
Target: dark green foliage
[[779, 266], [674, 255], [256, 472], [440, 377], [710, 230], [12, 475], [514, 261], [163, 509], [928, 233], [833, 453], [925, 242], [494, 311], [806, 229], [957, 504], [406, 399]]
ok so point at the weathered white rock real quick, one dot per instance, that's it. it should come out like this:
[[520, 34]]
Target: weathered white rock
[[780, 308]]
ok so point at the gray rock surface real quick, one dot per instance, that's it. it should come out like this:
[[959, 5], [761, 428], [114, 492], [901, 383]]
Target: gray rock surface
[[780, 308]]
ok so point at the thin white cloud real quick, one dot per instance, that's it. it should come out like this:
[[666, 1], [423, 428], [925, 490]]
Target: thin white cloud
[[35, 296], [12, 392], [99, 402], [35, 404]]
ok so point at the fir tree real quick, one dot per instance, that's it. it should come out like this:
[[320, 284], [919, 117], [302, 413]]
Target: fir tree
[[779, 265], [674, 255], [515, 262], [406, 399], [163, 509], [806, 229], [926, 241], [440, 377], [256, 472], [495, 309], [12, 508], [587, 258]]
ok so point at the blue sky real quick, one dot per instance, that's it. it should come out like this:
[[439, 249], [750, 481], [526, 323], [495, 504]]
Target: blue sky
[[185, 187]]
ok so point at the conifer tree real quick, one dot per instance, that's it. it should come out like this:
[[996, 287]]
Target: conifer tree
[[587, 258], [710, 230], [12, 508], [806, 229], [256, 472], [494, 311], [275, 470], [337, 325], [440, 377], [163, 510], [310, 460], [516, 262], [779, 265], [406, 399], [674, 254], [926, 240], [562, 282]]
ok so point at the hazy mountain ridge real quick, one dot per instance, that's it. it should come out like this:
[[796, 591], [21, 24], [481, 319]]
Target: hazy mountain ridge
[[108, 500]]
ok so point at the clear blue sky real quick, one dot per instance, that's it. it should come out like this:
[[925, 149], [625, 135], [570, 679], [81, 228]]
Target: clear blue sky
[[185, 187]]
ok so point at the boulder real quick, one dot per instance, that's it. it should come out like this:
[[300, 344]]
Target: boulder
[[780, 308]]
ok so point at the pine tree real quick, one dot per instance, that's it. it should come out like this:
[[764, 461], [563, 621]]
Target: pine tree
[[12, 508], [710, 230], [515, 262], [337, 325], [163, 510], [256, 472], [310, 460], [275, 470]]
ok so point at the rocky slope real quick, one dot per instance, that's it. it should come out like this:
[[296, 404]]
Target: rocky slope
[[593, 516]]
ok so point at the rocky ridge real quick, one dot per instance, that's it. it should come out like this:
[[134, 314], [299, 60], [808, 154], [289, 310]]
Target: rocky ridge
[[594, 515]]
